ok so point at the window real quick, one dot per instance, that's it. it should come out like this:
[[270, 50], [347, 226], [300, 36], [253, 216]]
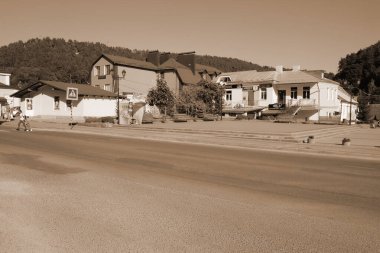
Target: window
[[107, 87], [29, 104], [263, 93], [293, 92], [56, 103], [97, 71], [229, 95], [328, 93], [306, 92], [225, 79], [108, 70]]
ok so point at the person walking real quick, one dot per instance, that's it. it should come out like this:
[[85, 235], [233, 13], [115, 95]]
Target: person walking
[[23, 120]]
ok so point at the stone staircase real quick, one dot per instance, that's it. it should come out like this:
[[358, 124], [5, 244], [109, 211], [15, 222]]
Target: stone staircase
[[289, 115]]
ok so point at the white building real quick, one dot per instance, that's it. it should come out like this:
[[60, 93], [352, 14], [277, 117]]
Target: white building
[[304, 95], [6, 90], [47, 100]]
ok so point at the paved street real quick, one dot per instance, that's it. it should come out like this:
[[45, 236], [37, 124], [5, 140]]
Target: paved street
[[67, 192]]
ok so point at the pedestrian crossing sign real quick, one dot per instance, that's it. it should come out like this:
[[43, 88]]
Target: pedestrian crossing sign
[[72, 93]]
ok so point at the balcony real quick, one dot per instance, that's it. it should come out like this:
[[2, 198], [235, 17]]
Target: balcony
[[302, 102]]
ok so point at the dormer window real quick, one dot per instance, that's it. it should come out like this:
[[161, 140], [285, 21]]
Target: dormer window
[[226, 79]]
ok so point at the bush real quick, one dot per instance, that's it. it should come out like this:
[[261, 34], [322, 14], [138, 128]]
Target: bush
[[108, 119], [91, 119], [241, 117]]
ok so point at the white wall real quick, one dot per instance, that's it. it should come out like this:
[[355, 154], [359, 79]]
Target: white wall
[[99, 107], [5, 78], [237, 97], [43, 105], [12, 101]]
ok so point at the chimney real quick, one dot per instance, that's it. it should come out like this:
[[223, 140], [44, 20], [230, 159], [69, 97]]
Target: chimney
[[153, 57], [187, 59], [279, 69], [164, 57], [296, 68]]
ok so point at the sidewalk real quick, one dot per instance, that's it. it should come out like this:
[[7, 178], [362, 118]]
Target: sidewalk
[[252, 134]]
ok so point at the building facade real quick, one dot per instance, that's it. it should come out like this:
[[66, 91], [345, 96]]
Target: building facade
[[305, 95], [48, 100]]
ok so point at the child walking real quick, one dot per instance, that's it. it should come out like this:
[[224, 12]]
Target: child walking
[[23, 120]]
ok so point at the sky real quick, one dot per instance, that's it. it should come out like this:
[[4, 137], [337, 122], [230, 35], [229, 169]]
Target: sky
[[315, 34]]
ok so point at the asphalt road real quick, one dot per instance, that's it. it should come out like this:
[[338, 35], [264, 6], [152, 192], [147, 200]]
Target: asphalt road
[[64, 192]]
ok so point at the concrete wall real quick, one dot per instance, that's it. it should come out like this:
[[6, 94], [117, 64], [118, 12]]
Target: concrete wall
[[137, 81], [99, 107]]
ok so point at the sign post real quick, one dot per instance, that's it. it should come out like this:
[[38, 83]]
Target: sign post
[[71, 94]]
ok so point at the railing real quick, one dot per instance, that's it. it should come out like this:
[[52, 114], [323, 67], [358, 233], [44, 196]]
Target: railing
[[301, 102]]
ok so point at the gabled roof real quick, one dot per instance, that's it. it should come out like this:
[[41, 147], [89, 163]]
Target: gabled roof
[[83, 89], [202, 68], [184, 73], [124, 61], [172, 64], [251, 76]]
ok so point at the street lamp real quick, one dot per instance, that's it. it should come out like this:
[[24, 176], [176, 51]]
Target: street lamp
[[115, 77]]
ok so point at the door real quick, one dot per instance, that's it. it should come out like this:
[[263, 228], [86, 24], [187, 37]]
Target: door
[[282, 97], [251, 99]]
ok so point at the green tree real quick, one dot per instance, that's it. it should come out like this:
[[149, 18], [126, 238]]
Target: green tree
[[162, 97], [206, 97]]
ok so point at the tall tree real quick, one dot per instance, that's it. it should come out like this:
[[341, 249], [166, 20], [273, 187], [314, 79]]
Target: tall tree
[[162, 97]]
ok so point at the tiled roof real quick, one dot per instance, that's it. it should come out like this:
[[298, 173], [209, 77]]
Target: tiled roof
[[83, 89], [120, 60], [184, 73], [172, 63], [251, 76], [201, 68]]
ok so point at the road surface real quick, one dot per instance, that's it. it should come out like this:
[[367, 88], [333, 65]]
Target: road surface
[[63, 192]]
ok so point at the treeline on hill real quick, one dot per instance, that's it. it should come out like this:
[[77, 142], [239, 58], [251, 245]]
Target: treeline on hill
[[70, 61], [361, 70]]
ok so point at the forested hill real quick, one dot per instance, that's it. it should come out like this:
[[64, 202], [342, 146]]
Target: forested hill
[[58, 59], [362, 69]]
